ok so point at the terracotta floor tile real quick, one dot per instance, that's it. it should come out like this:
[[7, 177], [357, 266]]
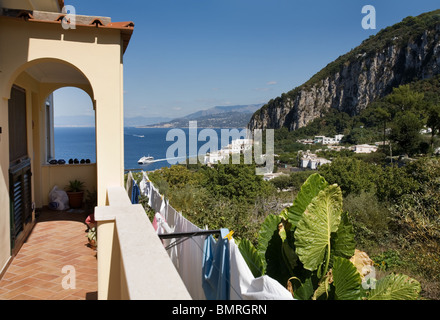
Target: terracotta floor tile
[[11, 294], [24, 296], [36, 271], [46, 276]]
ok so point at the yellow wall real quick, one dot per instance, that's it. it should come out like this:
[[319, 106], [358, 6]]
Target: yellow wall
[[94, 53], [60, 175]]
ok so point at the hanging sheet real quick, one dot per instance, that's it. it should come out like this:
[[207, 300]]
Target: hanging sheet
[[210, 269]]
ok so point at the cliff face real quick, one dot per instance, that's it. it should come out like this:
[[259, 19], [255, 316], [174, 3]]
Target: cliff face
[[352, 83]]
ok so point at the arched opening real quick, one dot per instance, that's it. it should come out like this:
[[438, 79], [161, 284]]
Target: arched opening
[[74, 136], [55, 92]]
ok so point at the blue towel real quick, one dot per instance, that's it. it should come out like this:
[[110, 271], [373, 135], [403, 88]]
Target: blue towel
[[216, 267], [135, 191]]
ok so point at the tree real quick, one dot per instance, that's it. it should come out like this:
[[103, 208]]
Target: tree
[[405, 99], [405, 131], [384, 116], [433, 121]]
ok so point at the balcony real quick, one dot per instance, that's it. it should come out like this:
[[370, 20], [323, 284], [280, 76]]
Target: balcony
[[130, 263], [58, 239]]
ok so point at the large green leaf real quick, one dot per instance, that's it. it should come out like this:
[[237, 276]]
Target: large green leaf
[[313, 233], [343, 244], [267, 230], [346, 279], [288, 249], [309, 190], [305, 290], [253, 259], [395, 287]]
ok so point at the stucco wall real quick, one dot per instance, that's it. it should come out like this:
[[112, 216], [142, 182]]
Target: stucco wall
[[93, 53]]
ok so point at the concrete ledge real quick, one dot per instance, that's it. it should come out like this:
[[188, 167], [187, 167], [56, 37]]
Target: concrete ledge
[[146, 271]]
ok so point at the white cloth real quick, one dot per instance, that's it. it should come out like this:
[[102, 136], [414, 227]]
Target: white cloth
[[244, 286], [129, 184], [187, 257]]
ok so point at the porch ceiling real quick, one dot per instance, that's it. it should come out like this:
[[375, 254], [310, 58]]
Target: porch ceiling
[[55, 72], [44, 5]]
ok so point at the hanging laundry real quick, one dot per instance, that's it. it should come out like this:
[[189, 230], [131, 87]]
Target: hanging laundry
[[216, 267], [160, 224], [210, 269], [244, 286], [135, 192], [129, 184], [145, 187], [187, 256]]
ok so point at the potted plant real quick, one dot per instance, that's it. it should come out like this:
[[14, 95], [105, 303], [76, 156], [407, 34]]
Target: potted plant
[[75, 192], [91, 235]]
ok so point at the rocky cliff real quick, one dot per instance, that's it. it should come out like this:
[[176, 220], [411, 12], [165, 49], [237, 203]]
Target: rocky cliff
[[397, 55]]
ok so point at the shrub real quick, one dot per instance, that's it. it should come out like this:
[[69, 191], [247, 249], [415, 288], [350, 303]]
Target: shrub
[[370, 218], [308, 246]]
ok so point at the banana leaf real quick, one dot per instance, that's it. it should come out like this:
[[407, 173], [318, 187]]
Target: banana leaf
[[395, 287], [346, 280], [309, 190], [313, 233], [252, 257], [342, 241]]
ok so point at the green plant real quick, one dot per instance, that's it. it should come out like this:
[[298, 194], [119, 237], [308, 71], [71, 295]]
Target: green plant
[[91, 199], [370, 218], [387, 260], [308, 246], [91, 234], [75, 186], [92, 237]]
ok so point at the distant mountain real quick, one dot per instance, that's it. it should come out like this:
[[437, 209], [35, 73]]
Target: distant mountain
[[89, 121], [143, 121], [74, 121], [236, 116], [224, 109]]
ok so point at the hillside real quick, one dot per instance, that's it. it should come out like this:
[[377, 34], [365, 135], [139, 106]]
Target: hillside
[[236, 116], [400, 54]]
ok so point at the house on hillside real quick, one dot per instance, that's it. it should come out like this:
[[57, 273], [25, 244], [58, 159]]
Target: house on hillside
[[364, 148], [311, 161], [327, 140]]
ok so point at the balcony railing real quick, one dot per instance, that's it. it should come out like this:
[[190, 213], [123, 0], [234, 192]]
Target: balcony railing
[[132, 262]]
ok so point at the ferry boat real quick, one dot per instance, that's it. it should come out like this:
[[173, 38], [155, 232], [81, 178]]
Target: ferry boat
[[145, 160]]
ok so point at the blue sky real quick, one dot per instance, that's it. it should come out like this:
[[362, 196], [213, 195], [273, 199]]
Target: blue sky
[[187, 55]]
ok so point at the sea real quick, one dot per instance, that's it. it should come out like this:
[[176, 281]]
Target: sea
[[79, 143]]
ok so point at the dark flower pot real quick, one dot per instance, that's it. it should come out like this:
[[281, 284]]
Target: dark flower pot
[[75, 199]]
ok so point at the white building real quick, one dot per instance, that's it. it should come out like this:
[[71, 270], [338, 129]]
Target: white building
[[240, 145], [364, 148], [215, 156], [311, 161], [327, 140], [270, 176]]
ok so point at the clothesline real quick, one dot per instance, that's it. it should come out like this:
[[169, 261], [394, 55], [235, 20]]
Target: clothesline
[[210, 269]]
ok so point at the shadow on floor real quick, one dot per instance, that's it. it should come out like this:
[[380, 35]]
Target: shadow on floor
[[92, 295], [47, 214]]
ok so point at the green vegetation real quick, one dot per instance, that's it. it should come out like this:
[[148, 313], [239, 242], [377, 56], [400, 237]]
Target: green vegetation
[[393, 205], [397, 118], [230, 196], [395, 209], [308, 246]]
